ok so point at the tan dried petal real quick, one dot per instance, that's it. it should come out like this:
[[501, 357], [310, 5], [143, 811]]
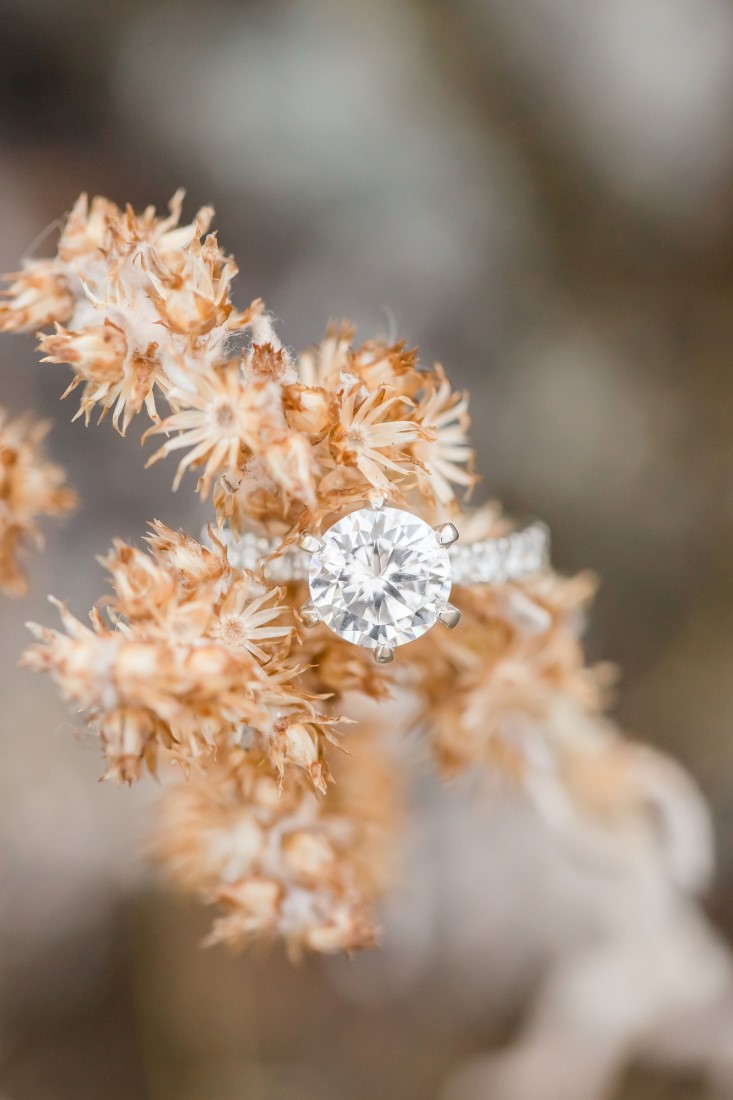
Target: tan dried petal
[[289, 461], [309, 409], [377, 364], [327, 365], [113, 377], [190, 563]]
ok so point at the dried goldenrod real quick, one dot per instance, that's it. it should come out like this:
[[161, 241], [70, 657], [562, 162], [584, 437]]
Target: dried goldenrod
[[30, 487]]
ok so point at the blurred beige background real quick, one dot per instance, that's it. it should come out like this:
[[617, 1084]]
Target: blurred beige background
[[540, 194]]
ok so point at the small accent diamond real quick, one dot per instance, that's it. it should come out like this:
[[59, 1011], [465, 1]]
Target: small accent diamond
[[380, 577]]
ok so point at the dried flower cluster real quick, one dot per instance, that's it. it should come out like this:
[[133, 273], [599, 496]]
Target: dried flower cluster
[[141, 309], [279, 859], [517, 654], [197, 663], [191, 656], [30, 487]]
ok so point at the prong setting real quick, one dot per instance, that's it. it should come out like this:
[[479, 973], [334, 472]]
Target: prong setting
[[377, 500], [310, 543], [310, 614], [384, 655], [446, 534], [449, 615]]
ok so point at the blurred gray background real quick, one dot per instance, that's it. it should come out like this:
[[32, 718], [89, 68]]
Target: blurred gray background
[[540, 194]]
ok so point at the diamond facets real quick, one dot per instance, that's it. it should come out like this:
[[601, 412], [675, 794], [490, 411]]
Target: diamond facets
[[380, 577]]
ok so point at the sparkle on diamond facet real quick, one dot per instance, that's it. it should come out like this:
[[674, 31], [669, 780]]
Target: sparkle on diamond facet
[[380, 577]]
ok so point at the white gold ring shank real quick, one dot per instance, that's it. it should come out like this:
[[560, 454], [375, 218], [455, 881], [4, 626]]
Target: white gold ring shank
[[510, 557]]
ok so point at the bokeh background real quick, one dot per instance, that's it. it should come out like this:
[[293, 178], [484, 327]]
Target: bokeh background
[[540, 194]]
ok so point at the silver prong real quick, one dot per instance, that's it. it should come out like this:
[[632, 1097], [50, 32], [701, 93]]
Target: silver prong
[[449, 615], [310, 614], [384, 655], [377, 500], [310, 543], [446, 533]]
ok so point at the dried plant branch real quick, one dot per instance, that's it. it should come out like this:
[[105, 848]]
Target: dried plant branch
[[192, 661]]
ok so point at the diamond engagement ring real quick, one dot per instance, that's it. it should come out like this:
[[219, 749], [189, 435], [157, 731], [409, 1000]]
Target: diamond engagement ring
[[381, 576]]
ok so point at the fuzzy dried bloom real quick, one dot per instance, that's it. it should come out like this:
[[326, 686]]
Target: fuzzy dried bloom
[[490, 687], [230, 415], [335, 365], [38, 295], [394, 426], [191, 655], [30, 487], [283, 449], [142, 312], [444, 454], [139, 304], [276, 858], [372, 435]]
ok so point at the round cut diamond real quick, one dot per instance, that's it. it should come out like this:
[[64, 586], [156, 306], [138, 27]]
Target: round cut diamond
[[380, 577]]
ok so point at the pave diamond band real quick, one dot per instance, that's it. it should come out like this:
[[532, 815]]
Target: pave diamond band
[[489, 561]]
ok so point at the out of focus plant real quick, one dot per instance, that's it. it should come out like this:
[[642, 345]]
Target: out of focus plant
[[30, 487]]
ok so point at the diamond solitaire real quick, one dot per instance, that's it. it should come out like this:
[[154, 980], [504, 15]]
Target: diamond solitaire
[[381, 577]]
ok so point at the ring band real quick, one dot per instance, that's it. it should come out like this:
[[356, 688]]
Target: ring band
[[509, 557]]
